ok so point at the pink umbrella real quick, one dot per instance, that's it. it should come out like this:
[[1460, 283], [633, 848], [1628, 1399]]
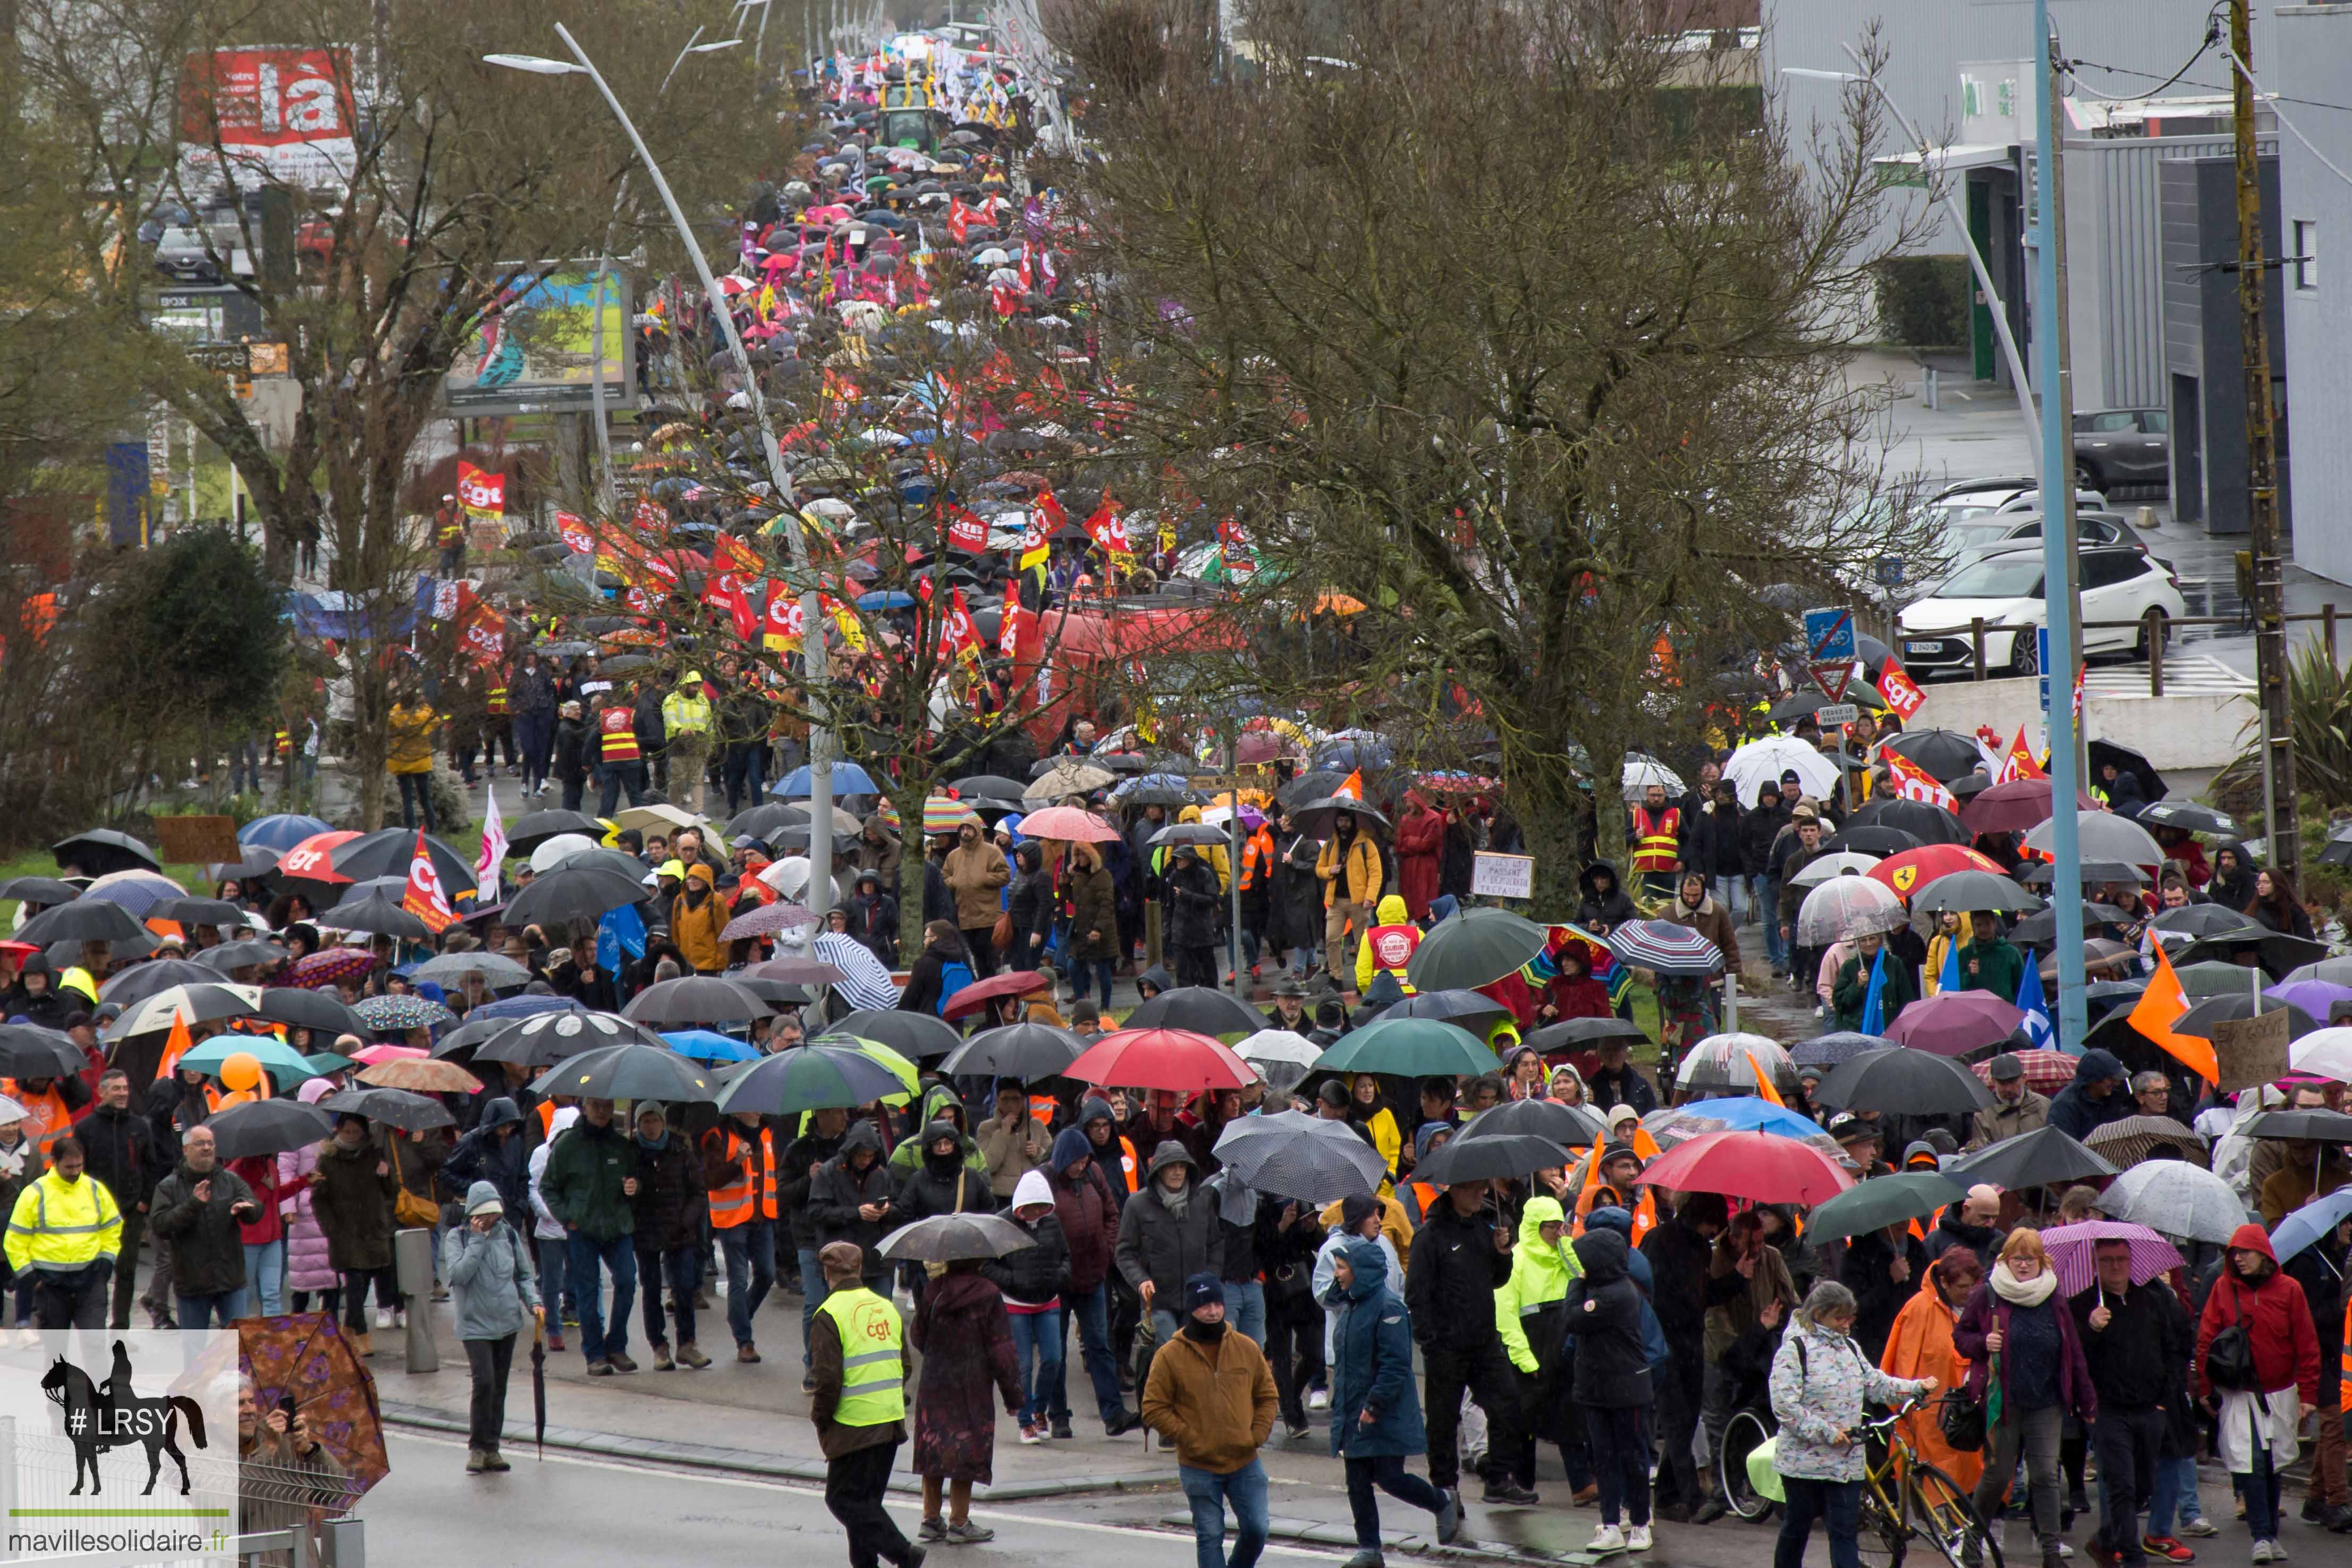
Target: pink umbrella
[[1067, 823], [375, 1054], [2071, 1248]]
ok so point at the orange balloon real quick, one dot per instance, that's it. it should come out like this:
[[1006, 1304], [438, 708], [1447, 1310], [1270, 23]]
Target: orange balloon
[[238, 1097], [241, 1071]]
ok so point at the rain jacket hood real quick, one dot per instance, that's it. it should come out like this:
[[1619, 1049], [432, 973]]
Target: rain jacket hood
[[499, 1112], [1169, 1153], [1392, 911], [1604, 1254], [1070, 1145], [1369, 1267], [2096, 1067]]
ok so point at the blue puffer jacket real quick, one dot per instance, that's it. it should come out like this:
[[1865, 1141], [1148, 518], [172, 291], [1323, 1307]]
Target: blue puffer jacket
[[1372, 1362]]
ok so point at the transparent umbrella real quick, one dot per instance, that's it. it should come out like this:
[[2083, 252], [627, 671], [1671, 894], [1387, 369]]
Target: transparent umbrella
[[1845, 907]]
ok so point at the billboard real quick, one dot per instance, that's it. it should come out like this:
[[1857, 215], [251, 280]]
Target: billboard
[[276, 114], [535, 352]]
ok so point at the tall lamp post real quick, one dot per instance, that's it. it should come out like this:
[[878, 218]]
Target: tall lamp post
[[813, 638]]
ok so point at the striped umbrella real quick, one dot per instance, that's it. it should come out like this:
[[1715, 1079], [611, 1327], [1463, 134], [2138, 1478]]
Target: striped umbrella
[[2072, 1249], [1664, 948], [944, 815], [2126, 1142]]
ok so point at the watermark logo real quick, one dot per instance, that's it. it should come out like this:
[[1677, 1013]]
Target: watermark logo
[[119, 1446]]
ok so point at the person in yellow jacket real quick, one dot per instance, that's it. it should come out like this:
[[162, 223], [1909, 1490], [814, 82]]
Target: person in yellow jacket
[[67, 1230], [1349, 865], [1387, 946], [1949, 934], [686, 721], [1527, 1309], [696, 916], [408, 756], [859, 1369]]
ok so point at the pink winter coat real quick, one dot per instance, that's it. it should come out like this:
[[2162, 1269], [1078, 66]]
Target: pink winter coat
[[307, 1268]]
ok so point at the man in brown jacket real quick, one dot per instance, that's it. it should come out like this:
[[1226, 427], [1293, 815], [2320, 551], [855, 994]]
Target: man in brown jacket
[[1211, 1393], [2015, 1109], [974, 871], [860, 1410]]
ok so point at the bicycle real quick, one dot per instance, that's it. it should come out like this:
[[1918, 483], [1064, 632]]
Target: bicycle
[[1903, 1497]]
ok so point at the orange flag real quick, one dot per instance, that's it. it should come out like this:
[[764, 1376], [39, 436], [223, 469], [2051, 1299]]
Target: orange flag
[[1764, 1089], [177, 1044], [2160, 1007], [1592, 1184], [2021, 758], [1351, 787]]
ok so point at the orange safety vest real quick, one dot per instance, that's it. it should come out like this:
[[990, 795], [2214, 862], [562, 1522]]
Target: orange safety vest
[[546, 1109], [1127, 1164], [1657, 844], [498, 699], [44, 1113], [1257, 850], [618, 727], [730, 1206]]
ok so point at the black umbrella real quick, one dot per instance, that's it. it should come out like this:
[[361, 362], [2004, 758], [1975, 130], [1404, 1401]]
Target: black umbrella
[[1316, 817], [268, 1127], [626, 1072], [550, 1037], [1930, 824], [387, 852], [2187, 814], [28, 1050], [1023, 1050], [1569, 1033], [102, 849], [1159, 795], [136, 984], [1903, 1083], [1797, 705], [1197, 1009], [1881, 1201], [319, 1012], [1945, 753], [1471, 1011], [2039, 929], [918, 1037], [41, 890], [694, 999], [2151, 783], [950, 1238], [1472, 949], [1871, 838], [2042, 1157], [1565, 1126], [2203, 920], [775, 993], [240, 955], [569, 895], [196, 911], [1965, 892], [538, 1379], [66, 954], [2201, 1018], [2320, 1126], [258, 861], [83, 919], [2088, 873], [2276, 951], [410, 1112], [1310, 786], [996, 785], [1502, 1156], [377, 914], [533, 829]]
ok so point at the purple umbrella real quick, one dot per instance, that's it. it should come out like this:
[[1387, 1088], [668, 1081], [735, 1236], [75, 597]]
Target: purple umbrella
[[2317, 998], [2070, 1248], [1953, 1023]]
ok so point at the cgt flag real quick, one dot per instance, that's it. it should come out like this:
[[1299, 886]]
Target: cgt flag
[[1901, 694], [482, 493], [1913, 782], [494, 850], [424, 897]]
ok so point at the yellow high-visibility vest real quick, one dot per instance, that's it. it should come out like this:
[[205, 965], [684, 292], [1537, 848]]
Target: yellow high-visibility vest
[[873, 1381], [60, 1226]]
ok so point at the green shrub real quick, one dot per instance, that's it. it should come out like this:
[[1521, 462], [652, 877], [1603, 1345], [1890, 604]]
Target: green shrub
[[1923, 300]]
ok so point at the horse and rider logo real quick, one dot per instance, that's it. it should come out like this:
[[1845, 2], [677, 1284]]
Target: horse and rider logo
[[100, 1417]]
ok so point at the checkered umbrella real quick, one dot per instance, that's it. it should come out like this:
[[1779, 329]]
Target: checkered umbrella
[[2047, 1072]]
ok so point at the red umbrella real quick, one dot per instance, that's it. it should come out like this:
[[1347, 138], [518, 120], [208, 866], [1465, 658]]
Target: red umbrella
[[313, 860], [1953, 1023], [1761, 1166], [1908, 873], [2014, 807], [1174, 1059], [2047, 1072], [980, 993], [1067, 823]]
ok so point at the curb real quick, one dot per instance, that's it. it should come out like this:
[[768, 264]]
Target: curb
[[1316, 1533], [751, 1462]]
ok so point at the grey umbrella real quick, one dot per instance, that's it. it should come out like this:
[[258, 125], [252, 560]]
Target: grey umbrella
[[1293, 1154], [2177, 1198], [946, 1237], [2104, 836]]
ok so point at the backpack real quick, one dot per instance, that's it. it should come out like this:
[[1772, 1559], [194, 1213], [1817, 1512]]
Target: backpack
[[954, 976], [2230, 1359]]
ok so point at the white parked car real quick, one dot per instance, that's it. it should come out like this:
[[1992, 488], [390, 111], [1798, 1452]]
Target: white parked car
[[2118, 585]]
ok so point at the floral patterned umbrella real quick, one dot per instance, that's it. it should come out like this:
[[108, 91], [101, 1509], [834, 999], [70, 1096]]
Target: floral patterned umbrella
[[306, 1355], [330, 967], [384, 1013]]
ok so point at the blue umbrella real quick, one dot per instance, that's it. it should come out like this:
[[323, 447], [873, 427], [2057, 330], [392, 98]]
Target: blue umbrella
[[520, 1007], [283, 831], [848, 778], [1151, 781], [1829, 1049], [891, 599], [1749, 1114], [2309, 1223], [709, 1045]]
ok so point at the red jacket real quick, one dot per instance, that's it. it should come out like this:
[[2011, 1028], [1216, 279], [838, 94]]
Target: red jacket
[[2277, 1317], [1420, 846]]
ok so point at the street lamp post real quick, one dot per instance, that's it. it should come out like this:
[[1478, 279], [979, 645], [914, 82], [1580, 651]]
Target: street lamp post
[[1960, 222], [811, 628]]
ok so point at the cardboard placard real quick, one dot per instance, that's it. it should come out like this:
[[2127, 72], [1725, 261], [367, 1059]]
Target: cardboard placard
[[2251, 1050], [1502, 877], [197, 841]]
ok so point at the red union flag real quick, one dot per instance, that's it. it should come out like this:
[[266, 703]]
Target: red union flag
[[482, 493], [1901, 692], [424, 897], [1008, 631], [783, 618], [1913, 782], [577, 536], [740, 606], [966, 530], [957, 634], [1108, 530], [481, 630]]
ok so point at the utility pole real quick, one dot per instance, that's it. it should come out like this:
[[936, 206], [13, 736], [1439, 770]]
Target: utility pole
[[2284, 834], [2059, 596]]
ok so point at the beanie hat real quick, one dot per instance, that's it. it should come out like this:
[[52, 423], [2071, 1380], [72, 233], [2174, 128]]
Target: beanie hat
[[1201, 1290]]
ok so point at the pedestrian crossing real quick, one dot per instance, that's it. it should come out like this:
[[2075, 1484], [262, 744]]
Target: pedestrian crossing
[[2185, 674]]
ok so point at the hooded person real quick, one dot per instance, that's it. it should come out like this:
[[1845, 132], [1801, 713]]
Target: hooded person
[[940, 1104], [873, 918], [1375, 1410], [943, 1180], [1034, 1280], [1605, 905], [494, 1151], [1349, 865], [1195, 903], [852, 1199], [1085, 1201], [1605, 1310], [2269, 1371], [1531, 1317], [494, 1296], [2232, 883], [2099, 1094], [976, 874], [1167, 1233], [670, 1205], [1678, 1251], [1388, 947], [696, 916]]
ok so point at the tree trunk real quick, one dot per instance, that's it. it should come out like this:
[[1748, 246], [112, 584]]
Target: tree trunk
[[1550, 807], [909, 799]]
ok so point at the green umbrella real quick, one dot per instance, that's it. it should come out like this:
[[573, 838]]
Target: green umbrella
[[1408, 1048], [1467, 951], [1881, 1201], [275, 1055], [807, 1077], [2212, 978], [890, 1055]]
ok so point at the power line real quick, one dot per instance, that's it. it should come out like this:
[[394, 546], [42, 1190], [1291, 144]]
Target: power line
[[2203, 86], [2256, 88], [2212, 36]]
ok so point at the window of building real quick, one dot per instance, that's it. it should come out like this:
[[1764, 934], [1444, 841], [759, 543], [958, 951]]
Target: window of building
[[2304, 261]]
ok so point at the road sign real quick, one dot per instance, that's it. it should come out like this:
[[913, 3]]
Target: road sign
[[1832, 678], [2042, 661], [1836, 713], [1829, 635]]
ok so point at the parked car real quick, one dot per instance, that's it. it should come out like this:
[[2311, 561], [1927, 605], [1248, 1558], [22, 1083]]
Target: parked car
[[166, 216], [2119, 585], [183, 256], [1978, 497], [2118, 447], [1973, 538]]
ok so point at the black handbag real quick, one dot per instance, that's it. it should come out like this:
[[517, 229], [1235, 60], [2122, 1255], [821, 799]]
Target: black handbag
[[1963, 1421], [2230, 1359]]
